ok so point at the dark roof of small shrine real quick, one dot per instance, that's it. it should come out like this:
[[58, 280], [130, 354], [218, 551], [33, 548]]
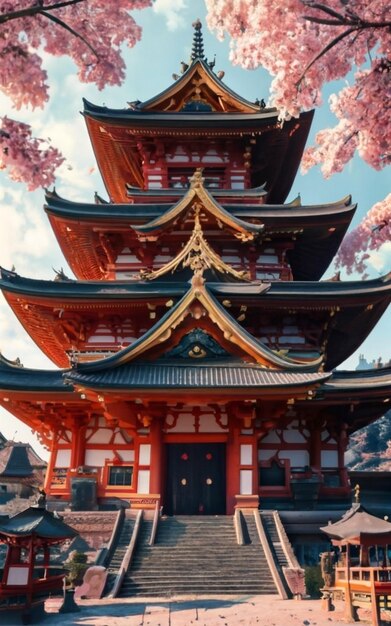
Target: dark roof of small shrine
[[37, 521]]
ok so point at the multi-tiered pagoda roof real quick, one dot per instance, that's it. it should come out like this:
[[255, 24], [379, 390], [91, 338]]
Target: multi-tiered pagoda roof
[[197, 313]]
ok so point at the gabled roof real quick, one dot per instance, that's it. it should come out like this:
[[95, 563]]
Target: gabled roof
[[355, 306], [196, 254], [198, 198], [199, 84], [197, 303]]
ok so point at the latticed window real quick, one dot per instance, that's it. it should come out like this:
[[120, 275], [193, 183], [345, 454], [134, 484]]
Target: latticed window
[[121, 475]]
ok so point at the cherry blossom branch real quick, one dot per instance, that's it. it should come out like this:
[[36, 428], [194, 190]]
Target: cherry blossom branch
[[349, 19], [36, 9], [73, 32]]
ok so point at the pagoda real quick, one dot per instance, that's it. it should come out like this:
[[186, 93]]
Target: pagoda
[[197, 345]]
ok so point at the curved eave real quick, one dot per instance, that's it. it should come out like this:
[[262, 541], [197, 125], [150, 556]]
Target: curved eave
[[231, 331], [339, 293], [159, 122], [319, 229], [17, 378], [209, 205], [177, 376], [217, 85], [271, 214], [371, 382], [112, 133]]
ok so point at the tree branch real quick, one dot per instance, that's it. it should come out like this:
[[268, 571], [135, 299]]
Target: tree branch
[[66, 26], [36, 9], [330, 45]]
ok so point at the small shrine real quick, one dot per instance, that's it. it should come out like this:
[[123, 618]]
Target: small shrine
[[365, 583], [28, 576]]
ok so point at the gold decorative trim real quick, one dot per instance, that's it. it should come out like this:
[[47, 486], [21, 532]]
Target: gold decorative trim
[[198, 256], [198, 196]]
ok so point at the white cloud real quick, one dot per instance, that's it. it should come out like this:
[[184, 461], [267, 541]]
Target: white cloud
[[170, 9], [380, 259]]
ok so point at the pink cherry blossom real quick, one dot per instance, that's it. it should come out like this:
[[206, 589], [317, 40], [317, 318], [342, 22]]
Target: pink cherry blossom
[[304, 45], [27, 159], [90, 32]]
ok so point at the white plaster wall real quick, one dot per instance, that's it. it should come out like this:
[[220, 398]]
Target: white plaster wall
[[103, 435], [271, 437], [246, 482], [265, 455], [293, 436], [97, 458], [246, 454], [144, 456], [63, 458], [208, 424], [143, 481], [298, 458], [329, 458], [127, 455]]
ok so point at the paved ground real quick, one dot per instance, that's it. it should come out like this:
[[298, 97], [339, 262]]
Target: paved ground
[[220, 611]]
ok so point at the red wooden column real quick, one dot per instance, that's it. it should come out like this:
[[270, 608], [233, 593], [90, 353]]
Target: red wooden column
[[315, 447], [233, 468], [78, 443], [156, 440]]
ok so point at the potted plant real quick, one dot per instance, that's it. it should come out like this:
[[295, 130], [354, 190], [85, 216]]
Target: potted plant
[[76, 565]]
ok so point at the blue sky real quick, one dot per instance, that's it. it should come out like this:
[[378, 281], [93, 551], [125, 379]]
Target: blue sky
[[26, 240]]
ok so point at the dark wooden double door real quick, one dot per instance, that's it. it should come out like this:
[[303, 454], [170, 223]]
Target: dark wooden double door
[[195, 482]]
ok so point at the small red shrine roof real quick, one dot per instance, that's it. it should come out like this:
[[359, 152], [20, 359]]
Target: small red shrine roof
[[36, 521], [358, 527]]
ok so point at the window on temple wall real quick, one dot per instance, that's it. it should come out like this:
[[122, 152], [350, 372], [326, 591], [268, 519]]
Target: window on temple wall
[[121, 475], [179, 177]]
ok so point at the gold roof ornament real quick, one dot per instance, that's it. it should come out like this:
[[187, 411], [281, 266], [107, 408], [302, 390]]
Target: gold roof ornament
[[198, 255]]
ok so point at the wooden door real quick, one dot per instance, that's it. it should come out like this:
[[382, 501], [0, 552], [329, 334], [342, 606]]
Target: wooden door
[[195, 479]]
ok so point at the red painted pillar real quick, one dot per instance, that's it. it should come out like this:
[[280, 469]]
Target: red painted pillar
[[156, 456], [315, 448], [233, 468]]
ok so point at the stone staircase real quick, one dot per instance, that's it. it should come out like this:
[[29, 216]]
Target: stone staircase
[[122, 544], [269, 525], [196, 555]]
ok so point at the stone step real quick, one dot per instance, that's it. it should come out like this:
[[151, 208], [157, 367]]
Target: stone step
[[196, 555]]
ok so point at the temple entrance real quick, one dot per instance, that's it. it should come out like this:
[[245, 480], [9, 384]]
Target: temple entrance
[[195, 479]]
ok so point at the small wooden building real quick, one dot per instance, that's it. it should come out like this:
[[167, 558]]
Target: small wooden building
[[28, 577]]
